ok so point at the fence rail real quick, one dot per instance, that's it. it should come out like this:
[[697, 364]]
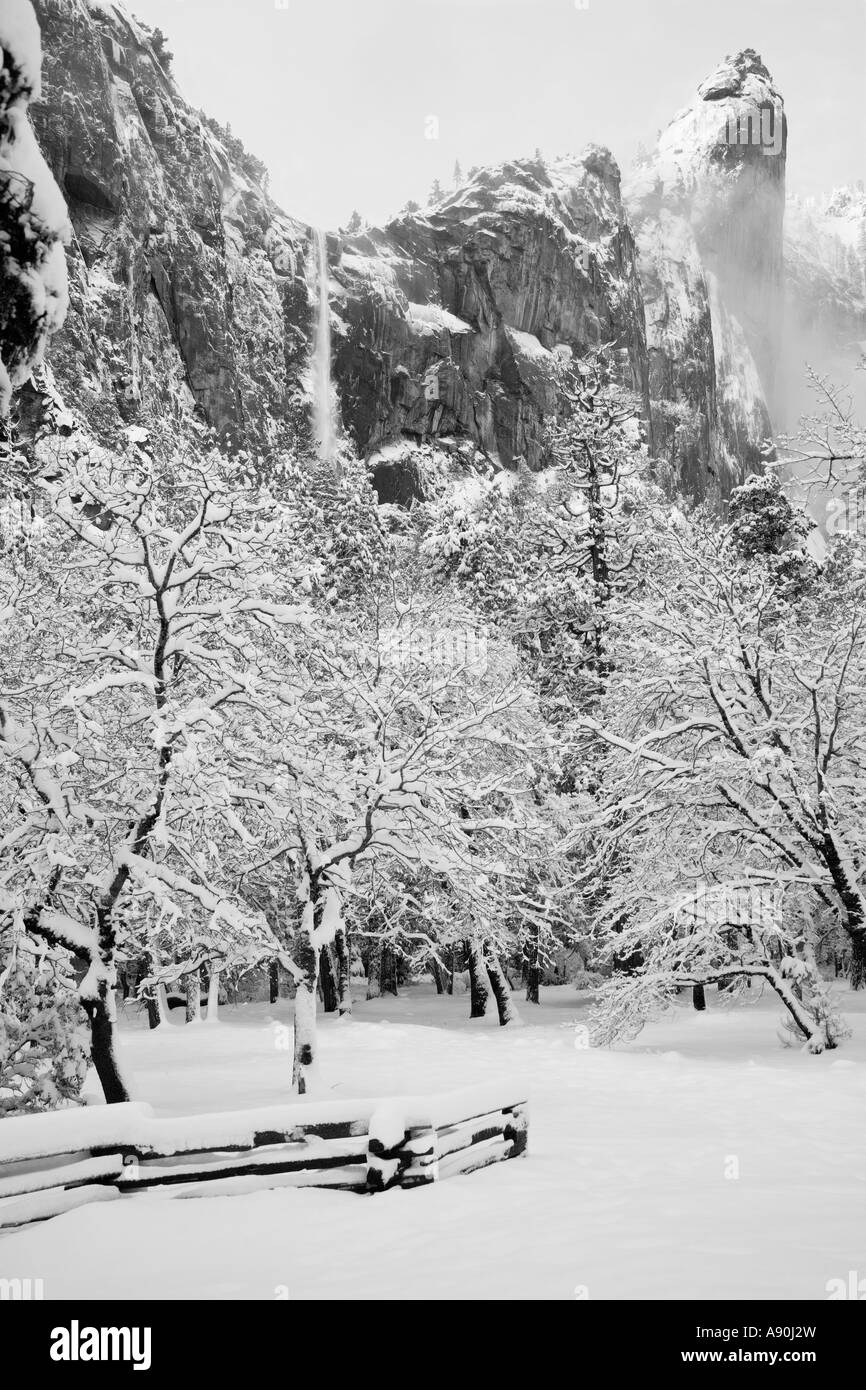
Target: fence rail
[[51, 1163]]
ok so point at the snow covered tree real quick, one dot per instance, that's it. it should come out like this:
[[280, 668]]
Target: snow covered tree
[[828, 451], [541, 560], [161, 49], [43, 1052], [399, 763], [157, 609], [595, 445], [401, 745], [728, 933], [731, 738]]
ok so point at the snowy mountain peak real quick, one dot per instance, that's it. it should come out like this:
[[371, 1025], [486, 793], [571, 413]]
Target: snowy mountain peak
[[739, 75], [708, 207], [737, 118]]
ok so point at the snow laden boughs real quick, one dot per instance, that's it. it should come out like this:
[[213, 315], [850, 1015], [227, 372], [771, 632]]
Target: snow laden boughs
[[733, 934], [399, 756], [340, 528], [595, 446], [43, 1053], [765, 524], [160, 614], [732, 762], [542, 556], [827, 454]]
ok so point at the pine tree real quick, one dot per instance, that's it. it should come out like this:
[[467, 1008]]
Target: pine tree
[[161, 49]]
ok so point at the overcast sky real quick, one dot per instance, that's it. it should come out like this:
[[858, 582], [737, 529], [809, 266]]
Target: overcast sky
[[336, 96]]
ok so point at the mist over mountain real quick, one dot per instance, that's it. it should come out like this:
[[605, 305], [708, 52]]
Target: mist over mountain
[[193, 295]]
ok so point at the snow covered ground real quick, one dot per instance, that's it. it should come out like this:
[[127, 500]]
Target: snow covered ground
[[629, 1190]]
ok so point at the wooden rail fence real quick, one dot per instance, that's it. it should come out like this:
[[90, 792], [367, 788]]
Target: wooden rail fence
[[53, 1162]]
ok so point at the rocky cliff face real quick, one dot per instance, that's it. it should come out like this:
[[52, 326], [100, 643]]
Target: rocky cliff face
[[708, 209], [33, 222], [825, 296], [448, 320], [189, 288], [193, 295]]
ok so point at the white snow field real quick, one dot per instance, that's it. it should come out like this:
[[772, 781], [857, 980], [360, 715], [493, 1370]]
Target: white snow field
[[703, 1160]]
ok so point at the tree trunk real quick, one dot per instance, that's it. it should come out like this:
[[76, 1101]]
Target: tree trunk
[[162, 1002], [501, 989], [103, 1044], [533, 971], [479, 988], [213, 996], [304, 1062], [810, 1028], [273, 981], [699, 999], [854, 922], [438, 975], [451, 972], [389, 971], [152, 1006], [193, 997], [328, 979], [344, 986], [858, 960], [374, 970]]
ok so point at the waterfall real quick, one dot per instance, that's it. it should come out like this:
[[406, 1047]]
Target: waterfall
[[323, 400]]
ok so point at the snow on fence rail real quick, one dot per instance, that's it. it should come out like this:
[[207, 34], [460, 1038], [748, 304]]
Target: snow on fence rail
[[51, 1163]]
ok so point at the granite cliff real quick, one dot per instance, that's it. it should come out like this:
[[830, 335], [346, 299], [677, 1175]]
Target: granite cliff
[[708, 208], [193, 295]]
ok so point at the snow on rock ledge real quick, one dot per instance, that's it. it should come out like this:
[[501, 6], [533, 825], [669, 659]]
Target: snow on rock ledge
[[451, 314], [33, 220]]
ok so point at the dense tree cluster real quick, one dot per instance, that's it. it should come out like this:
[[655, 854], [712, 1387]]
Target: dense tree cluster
[[260, 722]]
